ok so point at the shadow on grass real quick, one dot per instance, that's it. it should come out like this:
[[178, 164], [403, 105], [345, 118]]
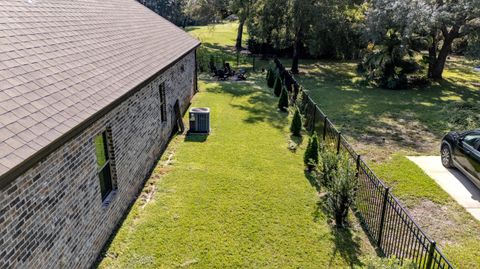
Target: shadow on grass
[[261, 104], [346, 243], [347, 246], [297, 139], [414, 119], [312, 180], [106, 246], [196, 138]]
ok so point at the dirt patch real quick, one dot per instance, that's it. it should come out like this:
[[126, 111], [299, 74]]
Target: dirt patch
[[436, 220], [393, 135], [163, 167]]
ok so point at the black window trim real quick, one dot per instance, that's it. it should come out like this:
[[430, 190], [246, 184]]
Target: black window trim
[[106, 197], [163, 102]]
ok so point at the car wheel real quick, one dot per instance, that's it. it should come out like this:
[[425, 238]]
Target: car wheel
[[446, 156]]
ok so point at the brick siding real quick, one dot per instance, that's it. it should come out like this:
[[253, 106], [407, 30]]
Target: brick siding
[[53, 215]]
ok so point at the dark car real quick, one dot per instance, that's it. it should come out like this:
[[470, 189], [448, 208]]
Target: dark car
[[462, 151]]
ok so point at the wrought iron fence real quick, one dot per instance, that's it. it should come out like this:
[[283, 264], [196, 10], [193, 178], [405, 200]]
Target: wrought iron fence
[[384, 219]]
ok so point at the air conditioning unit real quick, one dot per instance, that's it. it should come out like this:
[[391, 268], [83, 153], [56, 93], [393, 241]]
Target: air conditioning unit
[[200, 120]]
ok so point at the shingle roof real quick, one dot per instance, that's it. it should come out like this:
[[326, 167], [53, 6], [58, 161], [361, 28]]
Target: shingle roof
[[61, 61]]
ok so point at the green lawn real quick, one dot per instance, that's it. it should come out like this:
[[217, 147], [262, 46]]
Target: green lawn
[[385, 126], [237, 199], [382, 121]]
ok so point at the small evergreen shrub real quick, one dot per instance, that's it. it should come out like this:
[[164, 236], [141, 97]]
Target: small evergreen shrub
[[341, 191], [277, 88], [327, 168], [310, 158], [296, 126], [271, 78], [283, 101]]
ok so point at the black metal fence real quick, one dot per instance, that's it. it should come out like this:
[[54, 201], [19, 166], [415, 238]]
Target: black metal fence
[[385, 220]]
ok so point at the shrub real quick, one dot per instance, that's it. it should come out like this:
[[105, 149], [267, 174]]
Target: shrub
[[390, 65], [327, 168], [271, 78], [341, 191], [277, 87], [375, 262], [296, 126], [310, 158], [204, 59], [283, 101]]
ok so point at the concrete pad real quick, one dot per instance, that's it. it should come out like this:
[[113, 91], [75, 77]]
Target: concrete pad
[[452, 181]]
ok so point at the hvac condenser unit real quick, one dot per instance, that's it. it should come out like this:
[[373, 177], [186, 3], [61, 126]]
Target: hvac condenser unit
[[200, 120]]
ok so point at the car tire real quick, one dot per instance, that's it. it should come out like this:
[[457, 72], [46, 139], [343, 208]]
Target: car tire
[[446, 155]]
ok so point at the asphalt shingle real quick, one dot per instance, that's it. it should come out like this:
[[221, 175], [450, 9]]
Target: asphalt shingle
[[61, 61]]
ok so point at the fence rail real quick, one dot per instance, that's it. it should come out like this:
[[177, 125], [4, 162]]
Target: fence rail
[[384, 219]]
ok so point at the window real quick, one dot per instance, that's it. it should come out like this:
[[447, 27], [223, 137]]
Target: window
[[472, 140], [163, 103], [103, 164]]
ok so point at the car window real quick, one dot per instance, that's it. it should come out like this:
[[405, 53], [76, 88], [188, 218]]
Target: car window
[[477, 145], [472, 140]]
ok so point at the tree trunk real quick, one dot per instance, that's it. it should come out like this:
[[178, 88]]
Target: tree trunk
[[432, 55], [437, 70], [436, 66], [238, 44], [296, 54]]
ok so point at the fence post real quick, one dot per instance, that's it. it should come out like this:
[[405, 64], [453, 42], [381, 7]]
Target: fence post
[[253, 63], [382, 219], [358, 165], [431, 252], [313, 118], [338, 142], [325, 128]]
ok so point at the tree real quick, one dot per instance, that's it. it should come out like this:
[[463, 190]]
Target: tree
[[390, 64], [296, 125], [242, 9], [301, 18], [310, 158], [206, 11], [272, 78], [341, 191], [318, 28], [277, 87], [283, 101], [267, 22], [441, 21], [172, 10]]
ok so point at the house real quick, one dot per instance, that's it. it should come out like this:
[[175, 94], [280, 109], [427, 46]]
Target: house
[[90, 93]]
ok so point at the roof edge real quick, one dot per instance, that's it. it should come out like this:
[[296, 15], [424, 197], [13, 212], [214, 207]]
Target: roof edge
[[28, 163]]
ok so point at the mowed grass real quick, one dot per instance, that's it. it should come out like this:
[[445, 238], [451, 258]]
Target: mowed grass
[[220, 35], [386, 126], [235, 199], [384, 121]]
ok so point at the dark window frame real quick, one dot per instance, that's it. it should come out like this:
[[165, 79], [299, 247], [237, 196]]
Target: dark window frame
[[163, 102], [104, 170]]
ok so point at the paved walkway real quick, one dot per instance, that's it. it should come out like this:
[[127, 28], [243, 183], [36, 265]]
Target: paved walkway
[[453, 182]]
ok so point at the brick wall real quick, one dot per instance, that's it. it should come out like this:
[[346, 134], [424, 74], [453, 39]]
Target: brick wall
[[53, 215]]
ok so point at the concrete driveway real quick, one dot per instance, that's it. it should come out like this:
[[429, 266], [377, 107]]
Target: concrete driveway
[[452, 181]]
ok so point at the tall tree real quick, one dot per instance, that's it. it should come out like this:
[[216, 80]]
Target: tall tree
[[440, 21], [242, 9], [206, 11], [172, 10], [302, 12]]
